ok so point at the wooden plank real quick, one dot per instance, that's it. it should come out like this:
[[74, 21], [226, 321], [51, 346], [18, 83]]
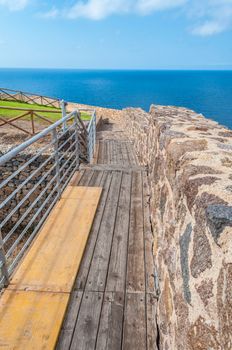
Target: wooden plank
[[85, 332], [118, 260], [118, 167], [66, 333], [86, 178], [99, 265], [31, 320], [53, 260], [151, 322], [112, 151], [124, 153], [111, 322], [131, 154], [96, 153], [148, 238], [134, 328], [96, 179], [135, 261], [76, 178], [86, 261], [100, 152]]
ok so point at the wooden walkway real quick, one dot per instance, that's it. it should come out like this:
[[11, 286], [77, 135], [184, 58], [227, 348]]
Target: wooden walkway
[[113, 302]]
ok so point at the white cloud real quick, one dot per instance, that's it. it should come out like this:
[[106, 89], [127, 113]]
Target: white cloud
[[98, 9], [213, 16], [207, 17], [14, 5], [209, 28], [53, 13], [148, 6]]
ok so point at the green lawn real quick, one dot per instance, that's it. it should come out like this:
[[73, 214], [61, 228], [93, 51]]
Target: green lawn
[[7, 113]]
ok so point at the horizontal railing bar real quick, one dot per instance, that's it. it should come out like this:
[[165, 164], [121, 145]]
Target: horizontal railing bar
[[61, 179], [64, 165], [68, 179], [2, 281], [22, 167], [25, 181], [61, 135], [28, 210], [65, 143], [14, 245], [24, 145]]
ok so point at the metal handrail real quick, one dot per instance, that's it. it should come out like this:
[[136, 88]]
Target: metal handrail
[[29, 191], [35, 138]]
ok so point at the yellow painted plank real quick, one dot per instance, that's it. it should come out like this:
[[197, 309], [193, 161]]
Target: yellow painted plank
[[31, 320], [75, 179], [53, 260], [76, 192]]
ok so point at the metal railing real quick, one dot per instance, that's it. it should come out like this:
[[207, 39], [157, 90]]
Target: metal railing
[[33, 176], [92, 136], [28, 97]]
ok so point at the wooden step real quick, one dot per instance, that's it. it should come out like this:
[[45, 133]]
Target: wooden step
[[33, 306], [31, 320], [52, 262]]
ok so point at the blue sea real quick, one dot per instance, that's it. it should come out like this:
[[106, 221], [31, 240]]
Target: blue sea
[[206, 92]]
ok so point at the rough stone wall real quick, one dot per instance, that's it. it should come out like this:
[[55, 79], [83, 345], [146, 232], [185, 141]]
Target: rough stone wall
[[189, 164]]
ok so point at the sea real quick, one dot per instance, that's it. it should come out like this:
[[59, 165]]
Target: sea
[[208, 92]]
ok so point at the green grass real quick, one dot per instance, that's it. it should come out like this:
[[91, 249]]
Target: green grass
[[7, 113]]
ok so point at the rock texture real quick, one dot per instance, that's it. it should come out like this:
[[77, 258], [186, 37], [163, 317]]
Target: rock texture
[[189, 164]]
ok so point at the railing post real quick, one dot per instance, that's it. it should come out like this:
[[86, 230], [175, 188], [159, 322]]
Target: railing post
[[32, 122], [94, 131], [77, 140], [63, 111], [56, 152], [3, 262], [89, 144]]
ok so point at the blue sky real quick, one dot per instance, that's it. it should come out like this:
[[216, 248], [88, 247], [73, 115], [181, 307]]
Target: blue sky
[[116, 34]]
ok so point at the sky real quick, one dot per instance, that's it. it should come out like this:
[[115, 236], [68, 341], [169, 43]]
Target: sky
[[116, 34]]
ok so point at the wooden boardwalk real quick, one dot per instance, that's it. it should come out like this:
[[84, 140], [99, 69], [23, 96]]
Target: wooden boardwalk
[[113, 302]]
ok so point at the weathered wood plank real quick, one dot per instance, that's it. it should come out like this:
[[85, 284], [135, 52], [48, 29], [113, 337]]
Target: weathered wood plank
[[85, 333], [134, 329], [76, 178], [86, 261], [109, 167], [111, 322], [124, 154], [95, 180], [148, 238], [131, 154], [118, 260], [85, 179], [135, 261], [99, 265], [66, 334], [100, 152], [151, 322]]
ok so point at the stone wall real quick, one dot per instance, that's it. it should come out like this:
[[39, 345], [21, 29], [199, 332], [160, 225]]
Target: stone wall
[[189, 164]]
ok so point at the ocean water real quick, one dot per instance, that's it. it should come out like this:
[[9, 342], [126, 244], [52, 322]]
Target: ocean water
[[206, 92]]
